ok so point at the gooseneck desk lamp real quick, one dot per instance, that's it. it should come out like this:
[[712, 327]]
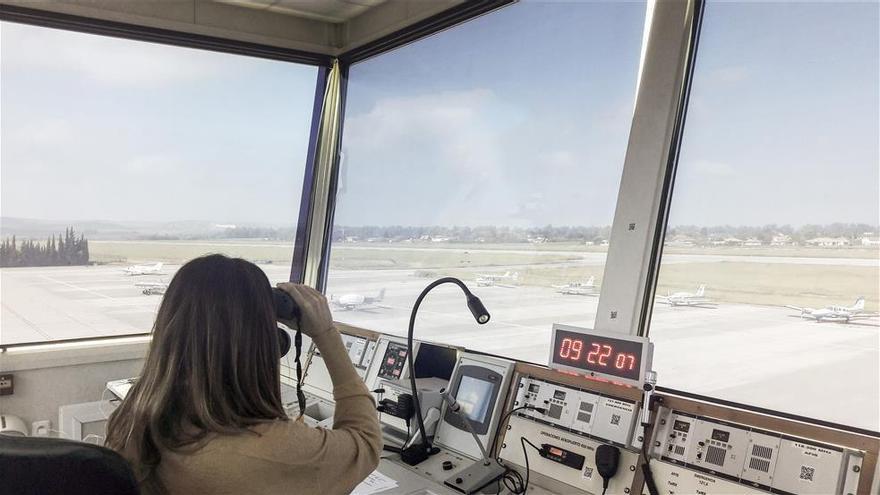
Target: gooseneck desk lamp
[[418, 452]]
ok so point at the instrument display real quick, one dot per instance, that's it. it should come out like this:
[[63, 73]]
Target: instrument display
[[584, 350]]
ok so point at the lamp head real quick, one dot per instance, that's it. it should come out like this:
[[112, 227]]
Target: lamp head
[[478, 310]]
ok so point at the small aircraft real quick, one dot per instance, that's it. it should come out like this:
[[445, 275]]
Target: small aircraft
[[493, 279], [350, 302], [144, 269], [151, 288], [687, 298], [836, 313], [587, 288]]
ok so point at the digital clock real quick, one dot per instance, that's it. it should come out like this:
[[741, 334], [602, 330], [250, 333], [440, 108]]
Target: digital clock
[[618, 357]]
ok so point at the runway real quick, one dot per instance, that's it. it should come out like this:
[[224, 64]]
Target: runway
[[758, 355]]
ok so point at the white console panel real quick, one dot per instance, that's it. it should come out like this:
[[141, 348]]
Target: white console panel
[[318, 382], [672, 479], [580, 411], [480, 384], [752, 458], [582, 479]]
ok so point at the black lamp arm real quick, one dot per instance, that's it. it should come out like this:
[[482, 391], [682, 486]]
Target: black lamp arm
[[480, 314]]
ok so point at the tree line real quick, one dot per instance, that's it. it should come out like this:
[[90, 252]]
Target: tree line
[[766, 233], [551, 233], [68, 249]]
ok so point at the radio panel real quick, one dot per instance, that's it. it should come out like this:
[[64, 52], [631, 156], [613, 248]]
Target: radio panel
[[579, 411], [762, 460], [719, 448], [762, 453], [356, 347], [805, 467]]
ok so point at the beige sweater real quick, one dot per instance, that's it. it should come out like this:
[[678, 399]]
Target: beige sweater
[[288, 456]]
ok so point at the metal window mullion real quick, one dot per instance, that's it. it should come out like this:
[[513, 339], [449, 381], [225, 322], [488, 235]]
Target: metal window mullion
[[301, 238], [642, 200]]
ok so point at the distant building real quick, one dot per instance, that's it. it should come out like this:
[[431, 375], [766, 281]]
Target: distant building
[[869, 239], [752, 242], [680, 241], [828, 242], [781, 240], [727, 241]]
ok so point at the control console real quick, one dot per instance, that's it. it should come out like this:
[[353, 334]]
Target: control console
[[561, 427], [700, 454]]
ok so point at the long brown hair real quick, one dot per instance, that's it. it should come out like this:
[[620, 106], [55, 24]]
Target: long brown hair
[[213, 365]]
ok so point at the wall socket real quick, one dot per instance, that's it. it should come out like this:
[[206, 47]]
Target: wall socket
[[41, 428], [7, 384]]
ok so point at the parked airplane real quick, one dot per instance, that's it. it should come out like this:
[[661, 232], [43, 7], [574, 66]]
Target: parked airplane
[[587, 288], [687, 298], [836, 313], [150, 288], [493, 279], [143, 269], [357, 301]]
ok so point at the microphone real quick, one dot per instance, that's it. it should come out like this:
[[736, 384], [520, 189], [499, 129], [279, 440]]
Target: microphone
[[453, 405]]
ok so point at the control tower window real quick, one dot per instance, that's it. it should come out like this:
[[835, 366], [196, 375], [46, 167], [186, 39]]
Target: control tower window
[[491, 152], [771, 265], [123, 159]]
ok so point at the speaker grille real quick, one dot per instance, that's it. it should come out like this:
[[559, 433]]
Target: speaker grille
[[715, 455]]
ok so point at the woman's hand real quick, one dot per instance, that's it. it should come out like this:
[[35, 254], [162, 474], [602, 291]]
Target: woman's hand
[[314, 314]]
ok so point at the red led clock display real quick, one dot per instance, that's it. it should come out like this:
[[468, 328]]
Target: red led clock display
[[606, 355]]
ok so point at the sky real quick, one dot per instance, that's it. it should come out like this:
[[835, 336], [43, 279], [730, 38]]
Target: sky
[[520, 117], [97, 128]]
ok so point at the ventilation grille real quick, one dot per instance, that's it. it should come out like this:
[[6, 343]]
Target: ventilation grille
[[679, 450], [762, 452], [759, 465], [715, 455]]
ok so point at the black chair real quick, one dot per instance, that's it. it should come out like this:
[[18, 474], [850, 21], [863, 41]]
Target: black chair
[[30, 465]]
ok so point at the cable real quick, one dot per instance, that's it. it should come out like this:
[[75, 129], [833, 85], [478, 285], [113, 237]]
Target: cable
[[505, 417], [523, 441], [512, 480], [646, 466]]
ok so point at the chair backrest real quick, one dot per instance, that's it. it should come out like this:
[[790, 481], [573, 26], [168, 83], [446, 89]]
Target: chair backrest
[[32, 465]]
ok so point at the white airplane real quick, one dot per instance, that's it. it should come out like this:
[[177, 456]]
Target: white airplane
[[150, 288], [587, 288], [144, 269], [350, 302], [687, 298], [493, 279], [836, 313]]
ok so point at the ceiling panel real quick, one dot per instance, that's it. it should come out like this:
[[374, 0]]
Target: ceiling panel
[[334, 11]]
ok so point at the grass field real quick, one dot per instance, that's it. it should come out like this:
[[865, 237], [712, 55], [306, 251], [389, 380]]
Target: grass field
[[180, 251], [763, 284], [343, 257], [737, 282]]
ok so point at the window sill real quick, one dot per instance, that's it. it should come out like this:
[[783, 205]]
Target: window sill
[[51, 355]]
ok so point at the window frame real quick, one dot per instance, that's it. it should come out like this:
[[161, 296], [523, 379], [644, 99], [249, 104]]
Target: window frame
[[125, 31]]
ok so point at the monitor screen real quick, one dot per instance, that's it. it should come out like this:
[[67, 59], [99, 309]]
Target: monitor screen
[[474, 396], [435, 361]]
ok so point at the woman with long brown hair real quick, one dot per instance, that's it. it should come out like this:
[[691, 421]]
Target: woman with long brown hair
[[205, 416]]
